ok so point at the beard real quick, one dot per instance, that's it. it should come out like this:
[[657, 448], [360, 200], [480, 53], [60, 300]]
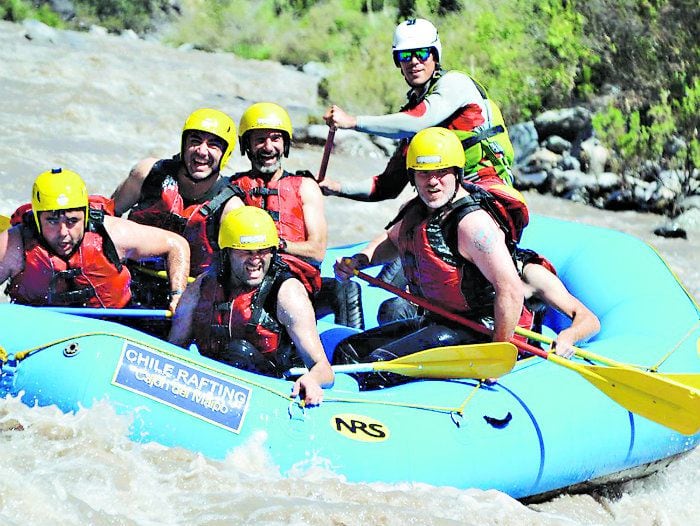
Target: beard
[[258, 161]]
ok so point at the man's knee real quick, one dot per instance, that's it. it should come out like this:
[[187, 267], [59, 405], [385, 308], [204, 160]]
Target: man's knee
[[395, 309]]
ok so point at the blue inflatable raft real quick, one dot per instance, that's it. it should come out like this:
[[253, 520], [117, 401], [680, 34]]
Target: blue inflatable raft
[[539, 429]]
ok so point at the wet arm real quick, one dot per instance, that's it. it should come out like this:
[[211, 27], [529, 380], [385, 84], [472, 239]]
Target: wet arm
[[11, 253], [135, 241], [381, 249], [387, 185], [451, 92], [295, 312], [181, 327], [549, 288], [128, 193], [483, 243]]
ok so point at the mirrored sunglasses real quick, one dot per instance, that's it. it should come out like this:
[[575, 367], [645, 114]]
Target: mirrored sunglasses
[[406, 55]]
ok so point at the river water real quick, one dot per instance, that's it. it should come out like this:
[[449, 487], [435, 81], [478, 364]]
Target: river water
[[97, 104]]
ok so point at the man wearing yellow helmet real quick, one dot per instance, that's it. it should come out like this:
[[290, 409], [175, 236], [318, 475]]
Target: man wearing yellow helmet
[[184, 194], [452, 251], [63, 252], [294, 200], [450, 99], [250, 311]]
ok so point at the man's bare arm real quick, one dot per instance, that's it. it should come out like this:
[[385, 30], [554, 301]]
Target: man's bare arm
[[483, 243], [128, 192], [135, 241]]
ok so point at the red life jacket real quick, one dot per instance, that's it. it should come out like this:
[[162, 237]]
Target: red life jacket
[[162, 206], [282, 199], [92, 276], [220, 317], [434, 268]]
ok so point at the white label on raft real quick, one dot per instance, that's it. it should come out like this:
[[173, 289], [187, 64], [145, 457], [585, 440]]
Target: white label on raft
[[360, 427], [173, 382]]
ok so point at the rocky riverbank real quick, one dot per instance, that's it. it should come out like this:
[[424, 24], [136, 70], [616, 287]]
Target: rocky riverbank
[[97, 103]]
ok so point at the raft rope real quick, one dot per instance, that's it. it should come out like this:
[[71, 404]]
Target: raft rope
[[693, 329], [21, 355], [329, 398]]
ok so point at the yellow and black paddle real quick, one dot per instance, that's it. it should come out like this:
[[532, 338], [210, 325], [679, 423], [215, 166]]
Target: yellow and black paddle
[[162, 274], [478, 361], [4, 223], [665, 399]]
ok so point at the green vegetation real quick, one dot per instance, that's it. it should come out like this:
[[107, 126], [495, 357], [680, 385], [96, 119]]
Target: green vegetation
[[531, 55], [544, 38], [115, 15], [17, 10]]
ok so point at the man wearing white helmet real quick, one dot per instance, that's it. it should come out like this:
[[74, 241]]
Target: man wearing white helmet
[[449, 99]]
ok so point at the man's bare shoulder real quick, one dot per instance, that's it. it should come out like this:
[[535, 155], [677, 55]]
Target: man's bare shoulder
[[142, 168]]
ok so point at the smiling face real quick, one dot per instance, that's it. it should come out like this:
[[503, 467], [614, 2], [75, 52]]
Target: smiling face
[[249, 267], [62, 230], [266, 148], [202, 154], [436, 188], [418, 72]]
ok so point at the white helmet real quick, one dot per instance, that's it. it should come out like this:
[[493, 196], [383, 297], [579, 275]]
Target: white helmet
[[416, 33]]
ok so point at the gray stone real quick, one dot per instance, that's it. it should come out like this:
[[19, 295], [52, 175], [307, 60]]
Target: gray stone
[[530, 180], [541, 159], [594, 156], [556, 144], [98, 31], [316, 69], [569, 162], [608, 181], [688, 202], [569, 123], [39, 32], [672, 180], [525, 140]]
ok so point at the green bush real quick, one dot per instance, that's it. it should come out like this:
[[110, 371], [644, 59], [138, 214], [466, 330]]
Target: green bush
[[639, 137], [18, 10], [117, 15]]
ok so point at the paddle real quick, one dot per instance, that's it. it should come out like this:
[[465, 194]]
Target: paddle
[[4, 223], [162, 274], [326, 154], [661, 399], [691, 379], [111, 313], [486, 360]]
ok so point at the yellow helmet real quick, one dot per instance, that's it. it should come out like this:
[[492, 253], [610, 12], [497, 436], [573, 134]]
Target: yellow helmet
[[248, 228], [215, 122], [435, 149], [58, 189], [265, 116]]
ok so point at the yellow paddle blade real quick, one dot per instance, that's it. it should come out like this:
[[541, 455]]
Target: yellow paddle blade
[[658, 398], [4, 223], [486, 360], [690, 379], [162, 274]]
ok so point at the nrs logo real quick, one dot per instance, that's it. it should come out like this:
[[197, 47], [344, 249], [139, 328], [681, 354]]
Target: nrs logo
[[359, 427]]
